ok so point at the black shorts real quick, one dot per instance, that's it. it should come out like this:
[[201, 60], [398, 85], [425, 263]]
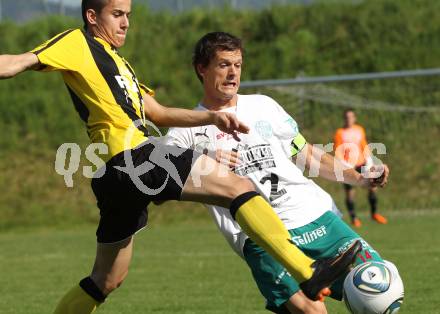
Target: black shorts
[[348, 187], [124, 191]]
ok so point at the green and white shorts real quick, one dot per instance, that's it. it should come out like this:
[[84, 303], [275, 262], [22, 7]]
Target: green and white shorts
[[325, 237]]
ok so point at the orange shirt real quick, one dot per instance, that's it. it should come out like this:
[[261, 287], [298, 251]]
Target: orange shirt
[[351, 145]]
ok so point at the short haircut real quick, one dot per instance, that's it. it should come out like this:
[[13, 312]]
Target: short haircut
[[207, 47], [96, 5]]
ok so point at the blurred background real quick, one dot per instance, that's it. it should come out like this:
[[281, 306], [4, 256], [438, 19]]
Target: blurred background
[[283, 40], [13, 9], [322, 49]]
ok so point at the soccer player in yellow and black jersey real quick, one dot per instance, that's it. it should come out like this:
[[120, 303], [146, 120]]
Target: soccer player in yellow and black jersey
[[114, 107]]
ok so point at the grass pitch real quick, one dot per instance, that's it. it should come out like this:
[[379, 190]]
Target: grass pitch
[[188, 267]]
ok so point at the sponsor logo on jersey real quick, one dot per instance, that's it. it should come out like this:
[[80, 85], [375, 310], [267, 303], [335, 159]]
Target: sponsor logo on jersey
[[264, 129], [310, 236], [228, 136], [254, 158], [130, 88], [125, 83], [292, 123]]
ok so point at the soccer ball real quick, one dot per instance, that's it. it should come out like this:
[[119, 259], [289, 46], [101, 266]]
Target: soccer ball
[[373, 288]]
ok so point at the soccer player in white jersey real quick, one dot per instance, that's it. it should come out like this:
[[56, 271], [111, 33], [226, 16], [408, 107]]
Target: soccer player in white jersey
[[269, 156]]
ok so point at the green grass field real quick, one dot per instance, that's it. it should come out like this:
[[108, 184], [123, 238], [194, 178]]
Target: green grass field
[[188, 267]]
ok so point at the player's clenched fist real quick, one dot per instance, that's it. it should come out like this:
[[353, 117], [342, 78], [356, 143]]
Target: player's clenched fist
[[377, 175], [228, 122]]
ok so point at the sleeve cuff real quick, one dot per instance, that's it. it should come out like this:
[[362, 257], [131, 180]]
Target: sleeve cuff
[[147, 90]]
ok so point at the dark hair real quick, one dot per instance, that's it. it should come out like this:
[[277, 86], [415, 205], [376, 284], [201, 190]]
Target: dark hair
[[207, 47], [96, 5]]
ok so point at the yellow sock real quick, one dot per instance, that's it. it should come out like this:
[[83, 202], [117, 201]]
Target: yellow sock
[[77, 301], [257, 218]]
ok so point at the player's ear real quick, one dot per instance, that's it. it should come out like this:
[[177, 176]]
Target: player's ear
[[91, 16], [201, 70]]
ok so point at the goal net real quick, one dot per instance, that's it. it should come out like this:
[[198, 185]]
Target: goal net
[[401, 113]]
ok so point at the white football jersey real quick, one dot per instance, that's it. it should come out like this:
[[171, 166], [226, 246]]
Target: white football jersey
[[265, 159]]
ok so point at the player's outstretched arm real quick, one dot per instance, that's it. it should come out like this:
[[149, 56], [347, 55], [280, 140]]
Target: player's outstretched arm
[[168, 117], [11, 65], [326, 166], [334, 169]]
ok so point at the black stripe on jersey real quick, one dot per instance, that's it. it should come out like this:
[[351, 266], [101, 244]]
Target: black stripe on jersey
[[108, 69], [80, 107], [141, 100], [53, 41]]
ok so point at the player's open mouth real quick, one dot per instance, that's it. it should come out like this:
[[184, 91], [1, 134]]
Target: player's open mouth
[[230, 84]]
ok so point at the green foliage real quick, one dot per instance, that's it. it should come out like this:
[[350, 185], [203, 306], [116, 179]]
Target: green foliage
[[36, 114], [283, 41]]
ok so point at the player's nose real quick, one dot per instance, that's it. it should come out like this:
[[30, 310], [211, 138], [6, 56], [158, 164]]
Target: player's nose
[[125, 23], [232, 70], [232, 73]]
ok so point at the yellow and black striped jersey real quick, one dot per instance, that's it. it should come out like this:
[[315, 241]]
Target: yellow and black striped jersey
[[102, 85]]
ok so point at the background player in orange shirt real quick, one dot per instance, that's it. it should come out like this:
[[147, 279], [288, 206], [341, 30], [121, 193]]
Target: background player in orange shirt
[[352, 147]]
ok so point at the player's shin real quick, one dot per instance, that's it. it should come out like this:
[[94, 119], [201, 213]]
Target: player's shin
[[257, 218], [81, 299]]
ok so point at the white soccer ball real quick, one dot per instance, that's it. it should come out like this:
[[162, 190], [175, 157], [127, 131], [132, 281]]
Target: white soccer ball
[[373, 288]]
